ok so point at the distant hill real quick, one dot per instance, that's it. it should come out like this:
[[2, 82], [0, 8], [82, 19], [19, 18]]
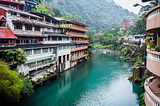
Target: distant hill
[[98, 14]]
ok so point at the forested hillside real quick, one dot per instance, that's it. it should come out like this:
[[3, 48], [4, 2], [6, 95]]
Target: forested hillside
[[98, 14]]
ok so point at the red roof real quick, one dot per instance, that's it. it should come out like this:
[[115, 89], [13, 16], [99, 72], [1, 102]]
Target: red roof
[[31, 35], [6, 33]]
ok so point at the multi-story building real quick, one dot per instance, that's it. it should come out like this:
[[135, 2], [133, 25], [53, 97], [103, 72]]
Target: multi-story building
[[152, 84], [77, 32], [28, 35], [127, 23], [49, 47]]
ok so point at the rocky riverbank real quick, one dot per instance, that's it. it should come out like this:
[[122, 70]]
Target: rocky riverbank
[[105, 50]]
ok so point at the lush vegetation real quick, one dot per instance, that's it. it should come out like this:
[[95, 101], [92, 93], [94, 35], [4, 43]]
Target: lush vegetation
[[48, 9], [14, 56], [90, 44], [10, 84], [13, 86], [99, 15]]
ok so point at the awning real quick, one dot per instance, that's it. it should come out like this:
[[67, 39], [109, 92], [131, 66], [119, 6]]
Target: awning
[[38, 59], [7, 34], [31, 35]]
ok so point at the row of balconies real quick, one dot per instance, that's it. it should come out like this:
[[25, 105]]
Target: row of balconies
[[152, 91], [79, 57], [19, 31], [79, 48], [32, 21], [79, 41], [76, 34]]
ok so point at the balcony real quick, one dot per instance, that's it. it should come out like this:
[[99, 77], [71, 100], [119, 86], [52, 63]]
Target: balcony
[[153, 19], [20, 31], [7, 44], [14, 1], [79, 57], [153, 62], [78, 28], [76, 34], [79, 41], [152, 92], [79, 48], [37, 66], [31, 21]]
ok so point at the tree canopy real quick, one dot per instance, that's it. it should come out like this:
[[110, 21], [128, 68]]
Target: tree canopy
[[10, 84]]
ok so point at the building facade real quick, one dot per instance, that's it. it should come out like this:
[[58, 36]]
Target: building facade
[[152, 90], [50, 49]]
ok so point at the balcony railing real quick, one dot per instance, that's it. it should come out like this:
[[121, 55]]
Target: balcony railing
[[20, 31], [41, 65], [79, 57], [153, 19], [79, 28], [153, 62], [153, 12], [79, 48], [77, 34], [79, 41], [32, 21], [151, 92], [7, 44]]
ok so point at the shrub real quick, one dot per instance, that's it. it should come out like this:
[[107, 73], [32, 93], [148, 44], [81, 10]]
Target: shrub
[[137, 79], [130, 77], [147, 40]]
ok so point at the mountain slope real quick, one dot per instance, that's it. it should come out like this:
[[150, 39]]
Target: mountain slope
[[98, 14]]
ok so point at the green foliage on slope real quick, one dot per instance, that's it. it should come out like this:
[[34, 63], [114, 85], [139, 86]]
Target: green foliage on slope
[[100, 15]]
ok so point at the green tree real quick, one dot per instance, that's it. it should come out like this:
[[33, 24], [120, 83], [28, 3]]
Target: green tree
[[27, 87], [20, 55], [10, 84], [8, 55], [90, 44], [42, 9]]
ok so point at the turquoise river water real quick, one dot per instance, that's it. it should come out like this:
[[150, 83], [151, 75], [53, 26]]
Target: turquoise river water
[[101, 81]]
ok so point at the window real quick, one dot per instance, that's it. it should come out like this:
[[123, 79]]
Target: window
[[50, 49], [67, 38], [54, 38], [64, 38], [37, 28], [48, 38], [64, 47], [60, 47], [28, 52], [28, 27], [67, 57], [68, 46], [17, 26], [37, 51], [45, 50], [60, 38]]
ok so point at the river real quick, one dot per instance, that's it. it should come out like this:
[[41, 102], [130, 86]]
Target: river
[[101, 81]]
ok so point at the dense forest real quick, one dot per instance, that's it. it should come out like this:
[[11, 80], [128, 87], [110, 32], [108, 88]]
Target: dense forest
[[100, 15]]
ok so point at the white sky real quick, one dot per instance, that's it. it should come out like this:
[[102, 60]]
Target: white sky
[[128, 4]]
